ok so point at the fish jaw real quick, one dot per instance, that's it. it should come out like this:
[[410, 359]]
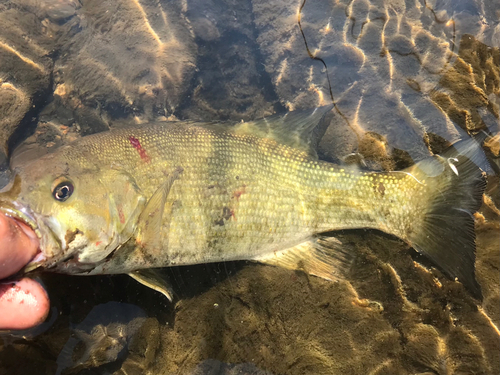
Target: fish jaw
[[65, 250], [51, 251], [21, 214], [30, 228], [69, 253]]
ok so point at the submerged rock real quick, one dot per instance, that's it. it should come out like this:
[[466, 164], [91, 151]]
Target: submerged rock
[[101, 338]]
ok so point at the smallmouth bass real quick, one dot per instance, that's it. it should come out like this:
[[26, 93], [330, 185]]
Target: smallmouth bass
[[133, 199]]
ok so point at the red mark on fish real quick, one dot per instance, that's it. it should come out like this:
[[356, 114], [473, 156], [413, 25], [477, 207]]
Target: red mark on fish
[[137, 145], [238, 193], [121, 215]]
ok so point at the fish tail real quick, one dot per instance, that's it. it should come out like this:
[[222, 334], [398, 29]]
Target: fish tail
[[446, 233]]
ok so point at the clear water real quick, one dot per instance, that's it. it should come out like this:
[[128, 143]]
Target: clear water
[[407, 77]]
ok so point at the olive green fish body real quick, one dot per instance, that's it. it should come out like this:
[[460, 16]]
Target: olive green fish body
[[240, 196], [186, 193]]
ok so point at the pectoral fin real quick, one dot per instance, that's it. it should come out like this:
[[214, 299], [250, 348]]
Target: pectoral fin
[[325, 257], [126, 202], [154, 280], [148, 230]]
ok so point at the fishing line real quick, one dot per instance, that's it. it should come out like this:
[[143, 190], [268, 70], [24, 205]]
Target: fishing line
[[313, 57], [453, 37]]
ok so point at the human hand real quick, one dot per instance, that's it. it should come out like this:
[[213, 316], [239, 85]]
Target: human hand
[[23, 303]]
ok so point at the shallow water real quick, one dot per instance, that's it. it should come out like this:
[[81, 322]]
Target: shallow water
[[407, 77]]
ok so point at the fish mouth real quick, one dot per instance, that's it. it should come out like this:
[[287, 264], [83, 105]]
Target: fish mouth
[[50, 252], [22, 216]]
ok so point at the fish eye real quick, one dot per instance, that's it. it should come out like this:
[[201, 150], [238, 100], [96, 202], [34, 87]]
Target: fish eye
[[63, 191]]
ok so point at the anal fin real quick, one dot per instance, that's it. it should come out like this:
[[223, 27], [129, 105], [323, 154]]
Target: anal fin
[[325, 257], [154, 280]]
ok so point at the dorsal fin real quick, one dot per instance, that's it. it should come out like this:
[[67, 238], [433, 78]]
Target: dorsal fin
[[298, 129], [301, 130]]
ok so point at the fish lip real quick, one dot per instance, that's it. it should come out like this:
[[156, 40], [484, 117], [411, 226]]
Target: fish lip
[[23, 215], [40, 227], [36, 262]]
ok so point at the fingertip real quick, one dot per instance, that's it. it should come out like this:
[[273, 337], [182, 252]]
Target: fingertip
[[18, 245], [23, 304]]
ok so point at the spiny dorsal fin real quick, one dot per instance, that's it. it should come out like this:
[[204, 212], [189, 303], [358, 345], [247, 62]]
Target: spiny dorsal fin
[[298, 129], [325, 257]]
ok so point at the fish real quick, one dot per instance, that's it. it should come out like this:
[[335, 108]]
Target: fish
[[136, 199]]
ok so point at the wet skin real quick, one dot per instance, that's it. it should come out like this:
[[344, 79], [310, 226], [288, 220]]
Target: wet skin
[[23, 303]]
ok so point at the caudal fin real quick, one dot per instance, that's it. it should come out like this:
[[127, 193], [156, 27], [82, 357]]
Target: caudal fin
[[446, 233]]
